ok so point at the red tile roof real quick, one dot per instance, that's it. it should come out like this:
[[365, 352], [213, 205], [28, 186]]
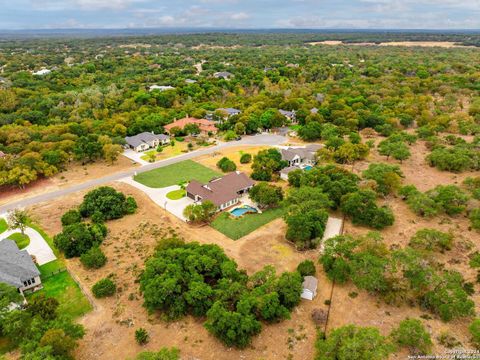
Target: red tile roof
[[204, 124]]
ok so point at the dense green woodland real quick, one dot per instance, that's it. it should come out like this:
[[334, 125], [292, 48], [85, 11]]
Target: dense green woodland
[[97, 92]]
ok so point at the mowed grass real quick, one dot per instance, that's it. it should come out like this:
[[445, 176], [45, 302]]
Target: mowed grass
[[176, 194], [22, 240], [62, 287], [175, 174], [3, 225], [238, 228]]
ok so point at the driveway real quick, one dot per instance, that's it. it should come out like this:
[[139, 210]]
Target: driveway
[[135, 156], [37, 247], [159, 196], [254, 140]]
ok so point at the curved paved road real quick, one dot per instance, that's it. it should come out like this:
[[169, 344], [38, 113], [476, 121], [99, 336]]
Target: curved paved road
[[256, 140]]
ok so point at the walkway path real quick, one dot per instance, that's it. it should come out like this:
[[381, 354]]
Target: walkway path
[[37, 247], [255, 140]]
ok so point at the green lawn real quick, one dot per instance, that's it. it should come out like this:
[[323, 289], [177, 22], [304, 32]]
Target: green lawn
[[176, 194], [22, 240], [62, 287], [175, 174], [3, 225], [238, 228]]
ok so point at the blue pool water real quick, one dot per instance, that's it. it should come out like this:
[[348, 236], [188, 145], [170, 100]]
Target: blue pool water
[[308, 167], [242, 210]]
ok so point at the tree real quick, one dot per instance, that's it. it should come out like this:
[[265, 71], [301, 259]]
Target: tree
[[266, 163], [305, 226], [387, 177], [450, 198], [266, 196], [94, 258], [311, 131], [61, 344], [401, 152], [141, 336], [412, 334], [362, 209], [111, 152], [306, 268], [77, 239], [18, 219], [201, 213], [110, 203], [353, 343], [8, 295], [87, 148], [191, 129], [72, 216], [233, 328], [104, 288], [226, 165], [43, 306]]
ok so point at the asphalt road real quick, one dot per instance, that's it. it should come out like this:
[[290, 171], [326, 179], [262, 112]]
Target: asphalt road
[[256, 140]]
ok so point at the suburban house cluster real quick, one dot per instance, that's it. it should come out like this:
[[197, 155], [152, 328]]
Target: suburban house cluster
[[17, 268], [299, 158], [223, 192]]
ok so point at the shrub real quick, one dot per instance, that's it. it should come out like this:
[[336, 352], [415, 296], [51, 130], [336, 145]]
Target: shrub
[[306, 268], [163, 354], [362, 209], [71, 217], [431, 240], [226, 165], [141, 336], [387, 177], [412, 334], [475, 260], [474, 330], [200, 213], [245, 158], [77, 239], [93, 258], [230, 135], [451, 199], [104, 288], [474, 217]]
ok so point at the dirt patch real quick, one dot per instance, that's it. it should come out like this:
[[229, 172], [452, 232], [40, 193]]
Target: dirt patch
[[75, 174]]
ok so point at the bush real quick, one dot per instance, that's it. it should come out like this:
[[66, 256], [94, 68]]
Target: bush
[[201, 213], [450, 198], [306, 268], [109, 202], [230, 135], [104, 288], [474, 217], [362, 209], [431, 240], [141, 336], [77, 239], [455, 159], [474, 330], [387, 177], [245, 158], [412, 334], [226, 165], [93, 258], [71, 217]]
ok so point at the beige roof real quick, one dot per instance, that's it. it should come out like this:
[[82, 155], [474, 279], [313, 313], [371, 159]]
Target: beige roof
[[310, 283]]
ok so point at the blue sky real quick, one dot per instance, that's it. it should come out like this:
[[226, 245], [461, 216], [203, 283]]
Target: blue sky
[[364, 14]]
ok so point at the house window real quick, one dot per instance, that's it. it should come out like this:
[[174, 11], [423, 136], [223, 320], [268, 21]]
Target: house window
[[25, 283], [33, 280], [29, 282]]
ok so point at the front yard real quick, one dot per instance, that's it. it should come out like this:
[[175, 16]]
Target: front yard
[[175, 174], [3, 225], [236, 228], [22, 240]]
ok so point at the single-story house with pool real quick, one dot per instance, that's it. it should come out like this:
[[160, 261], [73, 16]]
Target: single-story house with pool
[[223, 192], [17, 268]]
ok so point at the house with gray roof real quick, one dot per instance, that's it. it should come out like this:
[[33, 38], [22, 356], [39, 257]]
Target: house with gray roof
[[290, 115], [17, 268], [230, 111], [146, 140], [223, 75], [309, 287], [299, 156]]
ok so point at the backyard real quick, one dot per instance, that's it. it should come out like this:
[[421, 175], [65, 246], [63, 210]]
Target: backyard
[[175, 174], [236, 228]]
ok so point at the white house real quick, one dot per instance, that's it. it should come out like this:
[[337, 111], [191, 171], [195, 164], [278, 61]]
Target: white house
[[17, 268], [42, 72], [160, 87], [309, 290], [301, 155], [146, 140]]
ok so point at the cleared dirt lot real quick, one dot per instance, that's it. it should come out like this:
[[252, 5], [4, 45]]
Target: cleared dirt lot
[[110, 328]]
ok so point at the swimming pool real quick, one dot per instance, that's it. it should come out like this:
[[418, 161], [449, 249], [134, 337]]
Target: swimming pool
[[239, 211], [308, 167]]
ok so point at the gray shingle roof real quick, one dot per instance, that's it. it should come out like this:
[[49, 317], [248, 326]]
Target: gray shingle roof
[[230, 111], [16, 266], [290, 114], [144, 137]]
